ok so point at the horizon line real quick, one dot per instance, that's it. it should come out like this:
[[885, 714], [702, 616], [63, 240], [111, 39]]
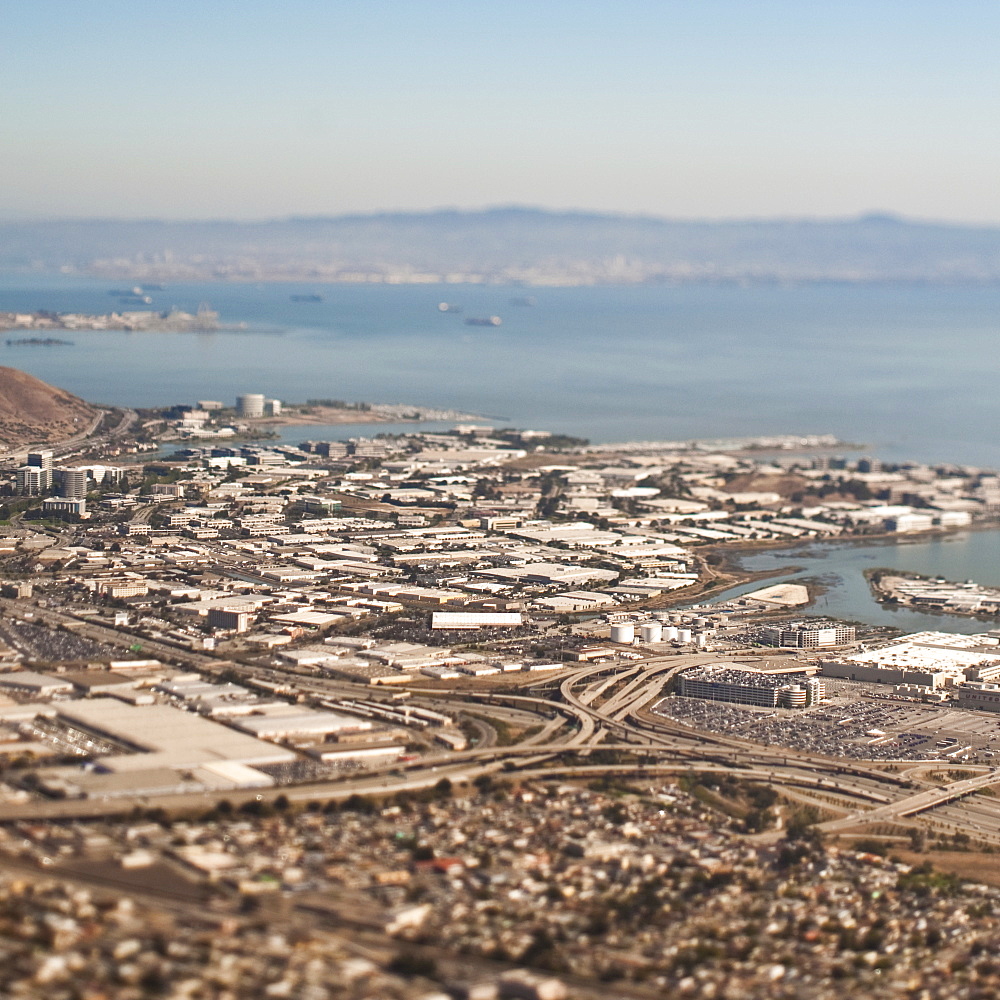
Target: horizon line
[[873, 216]]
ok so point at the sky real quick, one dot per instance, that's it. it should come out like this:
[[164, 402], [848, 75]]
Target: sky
[[678, 108]]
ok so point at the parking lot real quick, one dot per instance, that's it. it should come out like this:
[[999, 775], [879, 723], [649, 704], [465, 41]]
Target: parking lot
[[42, 644], [852, 725]]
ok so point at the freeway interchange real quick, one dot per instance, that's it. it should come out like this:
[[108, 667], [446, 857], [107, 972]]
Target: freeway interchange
[[579, 710]]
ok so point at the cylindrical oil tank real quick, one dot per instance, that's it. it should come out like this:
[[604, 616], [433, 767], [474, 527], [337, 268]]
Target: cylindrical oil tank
[[670, 633], [684, 635], [652, 632], [250, 404], [623, 633]]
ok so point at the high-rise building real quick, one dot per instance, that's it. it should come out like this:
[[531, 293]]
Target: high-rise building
[[33, 481], [73, 482], [41, 460]]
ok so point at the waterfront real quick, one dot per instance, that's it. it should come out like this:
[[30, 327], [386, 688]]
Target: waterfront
[[875, 364], [843, 592], [295, 434]]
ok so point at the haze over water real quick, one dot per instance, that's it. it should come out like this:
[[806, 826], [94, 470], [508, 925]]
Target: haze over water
[[909, 371]]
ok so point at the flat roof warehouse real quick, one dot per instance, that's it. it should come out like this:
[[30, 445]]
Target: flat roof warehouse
[[168, 737]]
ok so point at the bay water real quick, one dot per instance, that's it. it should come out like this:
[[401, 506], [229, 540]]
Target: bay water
[[910, 371]]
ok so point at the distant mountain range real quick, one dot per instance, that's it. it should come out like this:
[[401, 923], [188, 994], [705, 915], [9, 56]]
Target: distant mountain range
[[511, 245]]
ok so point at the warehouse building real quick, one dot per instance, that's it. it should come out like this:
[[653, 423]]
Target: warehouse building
[[475, 619], [165, 750]]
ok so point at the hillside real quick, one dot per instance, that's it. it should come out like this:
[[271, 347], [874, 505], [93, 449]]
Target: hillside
[[33, 412], [510, 245]]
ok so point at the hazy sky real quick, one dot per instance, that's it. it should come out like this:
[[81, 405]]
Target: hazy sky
[[692, 108]]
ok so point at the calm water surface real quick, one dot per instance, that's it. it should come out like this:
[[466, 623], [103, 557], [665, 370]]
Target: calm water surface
[[840, 567], [911, 371]]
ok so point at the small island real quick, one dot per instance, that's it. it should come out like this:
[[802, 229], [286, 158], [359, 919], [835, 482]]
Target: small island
[[38, 342], [148, 320]]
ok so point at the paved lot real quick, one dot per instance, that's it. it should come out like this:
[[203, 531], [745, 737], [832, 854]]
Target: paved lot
[[852, 726], [39, 642]]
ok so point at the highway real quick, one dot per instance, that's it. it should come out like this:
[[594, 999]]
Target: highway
[[581, 709], [912, 805]]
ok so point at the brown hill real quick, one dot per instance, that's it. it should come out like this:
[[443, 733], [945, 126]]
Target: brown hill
[[33, 412]]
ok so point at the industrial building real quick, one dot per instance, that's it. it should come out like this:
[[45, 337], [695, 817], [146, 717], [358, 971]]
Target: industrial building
[[290, 722], [165, 750], [459, 619], [978, 696], [929, 659], [750, 686], [234, 617], [38, 685]]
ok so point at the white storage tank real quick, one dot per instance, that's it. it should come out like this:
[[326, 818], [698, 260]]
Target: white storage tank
[[623, 633], [670, 633], [652, 632], [250, 404], [684, 635], [662, 616]]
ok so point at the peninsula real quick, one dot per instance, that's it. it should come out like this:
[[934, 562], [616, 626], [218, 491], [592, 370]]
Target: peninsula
[[934, 593]]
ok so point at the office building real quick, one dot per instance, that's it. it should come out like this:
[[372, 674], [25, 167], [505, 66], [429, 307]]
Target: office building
[[35, 477], [72, 482], [803, 635]]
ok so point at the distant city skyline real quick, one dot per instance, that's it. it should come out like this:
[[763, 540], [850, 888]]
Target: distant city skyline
[[714, 110]]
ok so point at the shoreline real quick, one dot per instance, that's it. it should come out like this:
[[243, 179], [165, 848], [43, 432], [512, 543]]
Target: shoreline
[[737, 549], [322, 416], [874, 575], [730, 556]]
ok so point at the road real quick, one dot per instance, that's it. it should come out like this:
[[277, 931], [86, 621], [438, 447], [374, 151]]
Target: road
[[62, 449], [601, 706], [912, 805]]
